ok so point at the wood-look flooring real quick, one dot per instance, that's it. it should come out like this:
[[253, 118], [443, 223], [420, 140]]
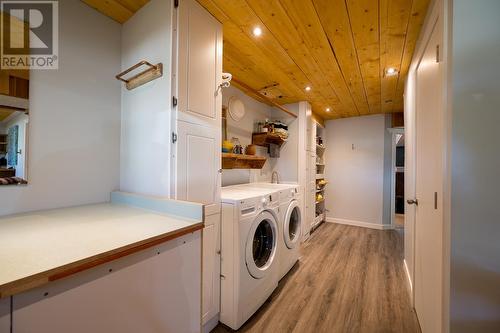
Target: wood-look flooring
[[348, 280]]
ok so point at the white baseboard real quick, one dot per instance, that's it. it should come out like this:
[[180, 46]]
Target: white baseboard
[[210, 324], [408, 276], [359, 223]]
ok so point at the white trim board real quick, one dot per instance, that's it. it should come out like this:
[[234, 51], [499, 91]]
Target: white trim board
[[359, 223], [410, 284]]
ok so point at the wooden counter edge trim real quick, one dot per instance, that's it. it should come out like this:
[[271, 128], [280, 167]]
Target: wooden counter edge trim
[[64, 271]]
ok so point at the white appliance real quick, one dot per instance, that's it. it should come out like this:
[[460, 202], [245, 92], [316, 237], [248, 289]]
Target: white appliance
[[290, 231], [289, 224], [249, 258]]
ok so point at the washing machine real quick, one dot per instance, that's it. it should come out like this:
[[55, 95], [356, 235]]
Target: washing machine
[[249, 252], [289, 222]]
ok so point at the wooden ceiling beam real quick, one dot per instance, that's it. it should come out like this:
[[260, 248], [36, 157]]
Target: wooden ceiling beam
[[261, 97]]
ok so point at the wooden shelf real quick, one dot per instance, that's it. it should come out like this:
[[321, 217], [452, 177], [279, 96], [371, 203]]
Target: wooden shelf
[[239, 161], [265, 139]]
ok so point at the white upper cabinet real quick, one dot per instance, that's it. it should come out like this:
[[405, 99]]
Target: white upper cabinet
[[199, 65], [198, 113]]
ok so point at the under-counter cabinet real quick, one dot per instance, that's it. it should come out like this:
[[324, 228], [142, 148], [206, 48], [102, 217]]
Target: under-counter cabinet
[[197, 130], [144, 292], [211, 269], [5, 315]]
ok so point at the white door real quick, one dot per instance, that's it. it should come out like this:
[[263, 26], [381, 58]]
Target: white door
[[199, 65], [429, 187], [198, 164], [211, 268]]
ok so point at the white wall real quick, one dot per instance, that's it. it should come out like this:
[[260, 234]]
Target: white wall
[[475, 217], [243, 129], [146, 110], [355, 192], [74, 134], [286, 165]]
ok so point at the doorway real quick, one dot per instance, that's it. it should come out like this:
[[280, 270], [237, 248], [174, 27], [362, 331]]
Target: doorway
[[397, 179]]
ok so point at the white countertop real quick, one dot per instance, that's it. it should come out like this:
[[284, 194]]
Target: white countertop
[[39, 243]]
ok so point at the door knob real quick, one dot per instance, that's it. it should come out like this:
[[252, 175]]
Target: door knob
[[412, 202]]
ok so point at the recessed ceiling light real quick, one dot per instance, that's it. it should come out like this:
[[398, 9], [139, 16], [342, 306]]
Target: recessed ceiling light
[[391, 71], [328, 109], [308, 88], [257, 31]]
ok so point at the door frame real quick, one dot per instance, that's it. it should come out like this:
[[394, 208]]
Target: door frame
[[440, 12], [395, 135]]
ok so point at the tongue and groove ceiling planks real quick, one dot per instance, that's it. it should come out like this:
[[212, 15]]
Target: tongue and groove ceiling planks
[[340, 48]]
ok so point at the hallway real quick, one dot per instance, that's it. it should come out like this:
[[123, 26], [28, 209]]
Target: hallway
[[349, 279]]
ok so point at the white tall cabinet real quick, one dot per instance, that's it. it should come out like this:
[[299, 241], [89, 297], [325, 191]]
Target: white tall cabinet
[[310, 197], [196, 136]]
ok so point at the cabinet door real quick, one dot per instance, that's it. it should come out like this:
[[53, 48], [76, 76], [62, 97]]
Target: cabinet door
[[211, 268], [199, 65], [198, 163], [155, 290], [310, 132]]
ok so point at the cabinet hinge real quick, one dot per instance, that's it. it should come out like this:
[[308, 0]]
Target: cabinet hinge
[[174, 101], [174, 137], [176, 3], [437, 53]]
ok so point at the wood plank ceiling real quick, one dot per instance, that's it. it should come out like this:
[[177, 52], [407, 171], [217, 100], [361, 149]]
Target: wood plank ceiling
[[340, 48], [118, 10]]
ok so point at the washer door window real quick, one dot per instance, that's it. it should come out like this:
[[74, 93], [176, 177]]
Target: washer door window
[[292, 226], [261, 245]]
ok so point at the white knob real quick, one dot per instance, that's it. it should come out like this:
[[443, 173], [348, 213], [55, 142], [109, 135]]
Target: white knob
[[264, 201]]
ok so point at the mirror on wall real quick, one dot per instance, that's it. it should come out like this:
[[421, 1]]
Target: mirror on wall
[[14, 112]]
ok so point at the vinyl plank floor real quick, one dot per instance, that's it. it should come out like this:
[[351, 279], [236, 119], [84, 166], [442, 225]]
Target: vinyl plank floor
[[348, 279]]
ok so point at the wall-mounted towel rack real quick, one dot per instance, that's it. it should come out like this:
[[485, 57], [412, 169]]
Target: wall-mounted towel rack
[[151, 73]]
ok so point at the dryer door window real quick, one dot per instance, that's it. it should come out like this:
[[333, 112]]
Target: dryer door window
[[292, 225], [261, 245]]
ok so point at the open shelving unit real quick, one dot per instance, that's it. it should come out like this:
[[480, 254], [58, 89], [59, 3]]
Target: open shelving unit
[[3, 143], [320, 209]]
